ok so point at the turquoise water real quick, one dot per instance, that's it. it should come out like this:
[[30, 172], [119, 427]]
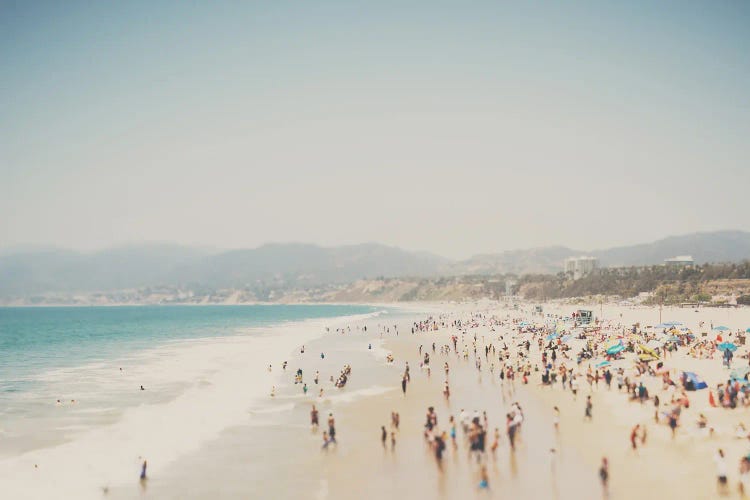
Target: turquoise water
[[67, 370], [39, 339]]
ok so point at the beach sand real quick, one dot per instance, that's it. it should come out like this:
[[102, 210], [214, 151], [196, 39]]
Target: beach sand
[[274, 454]]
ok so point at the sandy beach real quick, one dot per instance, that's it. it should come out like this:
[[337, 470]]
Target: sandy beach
[[272, 452]]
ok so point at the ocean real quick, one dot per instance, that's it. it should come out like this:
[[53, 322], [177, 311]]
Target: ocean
[[94, 360]]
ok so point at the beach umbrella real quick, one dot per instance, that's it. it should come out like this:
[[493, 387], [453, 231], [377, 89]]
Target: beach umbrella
[[673, 338], [615, 349], [551, 336], [648, 350], [566, 338], [721, 328], [602, 364], [747, 331], [726, 346], [653, 344], [647, 357]]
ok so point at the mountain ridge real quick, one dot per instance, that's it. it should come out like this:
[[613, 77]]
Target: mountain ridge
[[304, 265]]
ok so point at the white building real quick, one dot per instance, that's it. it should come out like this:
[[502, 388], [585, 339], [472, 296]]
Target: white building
[[580, 266], [679, 261]]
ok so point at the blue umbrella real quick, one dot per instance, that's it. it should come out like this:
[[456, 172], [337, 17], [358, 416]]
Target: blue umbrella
[[616, 349], [673, 338], [747, 331], [721, 328], [603, 363], [552, 336], [726, 346]]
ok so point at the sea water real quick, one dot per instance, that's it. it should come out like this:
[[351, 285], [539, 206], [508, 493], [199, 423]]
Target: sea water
[[200, 367]]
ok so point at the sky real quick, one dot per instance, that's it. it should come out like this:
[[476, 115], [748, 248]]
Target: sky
[[452, 127]]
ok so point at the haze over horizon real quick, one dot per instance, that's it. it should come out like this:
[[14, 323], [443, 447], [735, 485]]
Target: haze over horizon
[[429, 127]]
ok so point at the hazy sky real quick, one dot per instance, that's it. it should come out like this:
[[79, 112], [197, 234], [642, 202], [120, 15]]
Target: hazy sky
[[454, 127]]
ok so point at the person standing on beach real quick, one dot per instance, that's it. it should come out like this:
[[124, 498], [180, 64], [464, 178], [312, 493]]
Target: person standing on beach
[[143, 471], [403, 384], [589, 407], [383, 435]]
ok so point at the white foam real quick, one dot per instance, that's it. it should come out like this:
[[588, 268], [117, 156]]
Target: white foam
[[227, 376]]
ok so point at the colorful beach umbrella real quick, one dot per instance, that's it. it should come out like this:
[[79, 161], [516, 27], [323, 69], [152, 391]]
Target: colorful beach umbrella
[[602, 364], [721, 328], [726, 346]]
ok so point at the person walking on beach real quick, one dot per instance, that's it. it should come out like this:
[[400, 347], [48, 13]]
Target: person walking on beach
[[673, 422], [453, 431], [495, 442], [589, 407], [484, 478], [446, 391], [604, 476], [403, 384], [634, 437], [331, 428], [143, 471], [556, 418], [383, 435], [721, 471], [314, 418]]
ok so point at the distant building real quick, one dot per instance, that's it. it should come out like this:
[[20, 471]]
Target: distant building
[[679, 261], [580, 266]]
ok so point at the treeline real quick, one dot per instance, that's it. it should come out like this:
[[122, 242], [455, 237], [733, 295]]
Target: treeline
[[669, 284]]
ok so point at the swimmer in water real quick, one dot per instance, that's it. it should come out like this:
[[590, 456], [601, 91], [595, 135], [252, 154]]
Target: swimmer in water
[[273, 391]]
